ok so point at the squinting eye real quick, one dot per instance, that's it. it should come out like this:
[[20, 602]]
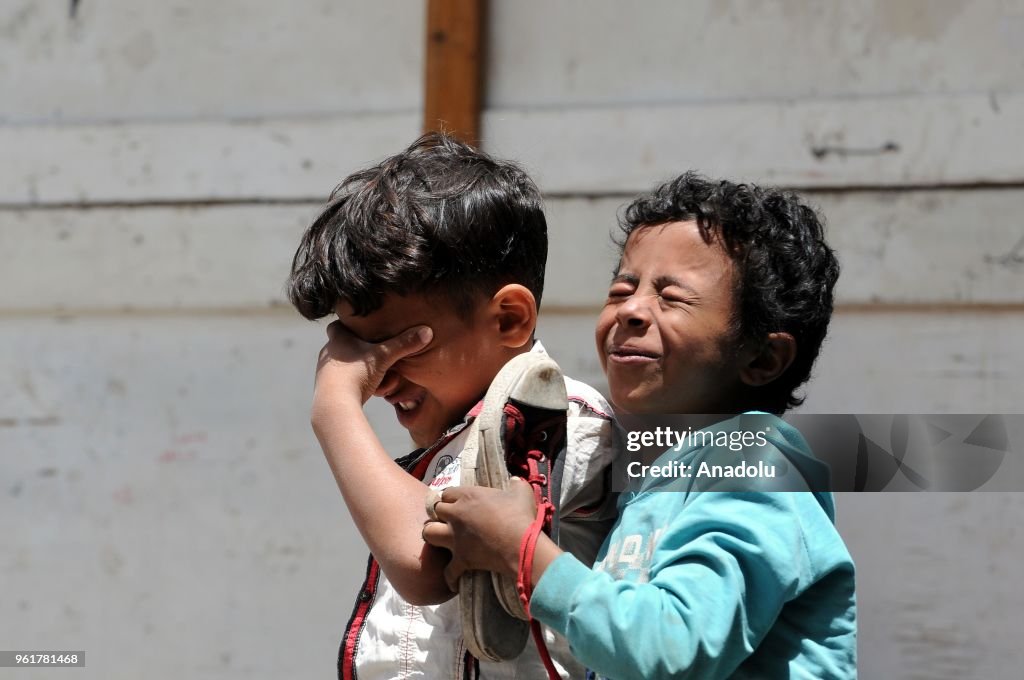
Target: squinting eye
[[674, 298], [619, 291]]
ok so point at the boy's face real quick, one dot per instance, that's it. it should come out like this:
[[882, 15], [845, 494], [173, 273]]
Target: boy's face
[[664, 337], [434, 388]]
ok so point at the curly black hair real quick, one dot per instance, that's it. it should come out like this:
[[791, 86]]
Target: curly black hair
[[440, 218], [786, 271]]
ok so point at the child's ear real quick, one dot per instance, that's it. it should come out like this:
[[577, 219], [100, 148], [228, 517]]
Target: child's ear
[[514, 309], [776, 355]]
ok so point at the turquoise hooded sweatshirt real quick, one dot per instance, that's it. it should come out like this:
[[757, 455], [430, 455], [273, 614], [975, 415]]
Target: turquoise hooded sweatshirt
[[721, 579]]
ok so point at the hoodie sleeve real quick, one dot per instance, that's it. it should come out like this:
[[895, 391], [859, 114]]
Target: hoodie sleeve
[[720, 573]]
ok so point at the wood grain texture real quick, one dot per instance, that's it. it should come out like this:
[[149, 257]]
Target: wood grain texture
[[193, 162], [454, 67], [895, 142], [180, 60], [579, 53], [930, 248]]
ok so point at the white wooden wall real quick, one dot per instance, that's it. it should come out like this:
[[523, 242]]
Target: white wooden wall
[[164, 504]]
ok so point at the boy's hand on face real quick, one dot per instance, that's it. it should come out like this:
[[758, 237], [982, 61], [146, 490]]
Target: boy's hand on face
[[482, 527], [385, 501], [350, 371]]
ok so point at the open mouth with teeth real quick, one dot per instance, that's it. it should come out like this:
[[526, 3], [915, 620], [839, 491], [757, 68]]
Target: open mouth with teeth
[[406, 405]]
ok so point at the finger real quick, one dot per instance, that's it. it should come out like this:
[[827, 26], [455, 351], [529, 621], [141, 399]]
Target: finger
[[522, 490], [438, 534], [430, 503], [444, 509], [402, 345], [450, 494]]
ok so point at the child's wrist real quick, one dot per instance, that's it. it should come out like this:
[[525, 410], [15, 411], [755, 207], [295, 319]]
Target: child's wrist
[[547, 551], [512, 543]]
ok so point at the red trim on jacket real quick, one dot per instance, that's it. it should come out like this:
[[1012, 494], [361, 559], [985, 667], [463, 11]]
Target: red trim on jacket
[[416, 464]]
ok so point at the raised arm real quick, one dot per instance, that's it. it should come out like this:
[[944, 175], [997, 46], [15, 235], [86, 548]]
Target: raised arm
[[386, 503]]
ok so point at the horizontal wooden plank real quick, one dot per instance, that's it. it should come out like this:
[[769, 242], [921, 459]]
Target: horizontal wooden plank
[[202, 161], [120, 60], [897, 141], [929, 247], [952, 362], [145, 259], [589, 53], [915, 248], [908, 141], [188, 58]]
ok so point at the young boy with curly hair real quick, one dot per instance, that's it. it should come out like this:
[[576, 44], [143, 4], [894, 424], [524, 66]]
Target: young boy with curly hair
[[719, 305]]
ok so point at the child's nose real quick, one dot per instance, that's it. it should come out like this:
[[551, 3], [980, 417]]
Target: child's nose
[[635, 312]]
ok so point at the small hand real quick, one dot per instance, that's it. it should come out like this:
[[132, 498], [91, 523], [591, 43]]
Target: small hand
[[482, 527], [349, 370]]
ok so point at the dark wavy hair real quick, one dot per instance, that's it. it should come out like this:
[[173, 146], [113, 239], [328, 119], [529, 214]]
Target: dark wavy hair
[[440, 218], [786, 271]]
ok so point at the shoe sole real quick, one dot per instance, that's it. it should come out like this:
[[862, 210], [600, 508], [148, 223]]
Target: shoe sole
[[545, 389], [494, 624], [490, 633]]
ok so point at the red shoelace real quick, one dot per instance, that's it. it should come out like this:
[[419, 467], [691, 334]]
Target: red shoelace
[[530, 470]]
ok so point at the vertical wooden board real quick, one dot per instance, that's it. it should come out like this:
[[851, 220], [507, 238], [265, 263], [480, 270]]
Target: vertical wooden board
[[119, 60], [165, 503], [454, 67], [609, 53]]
